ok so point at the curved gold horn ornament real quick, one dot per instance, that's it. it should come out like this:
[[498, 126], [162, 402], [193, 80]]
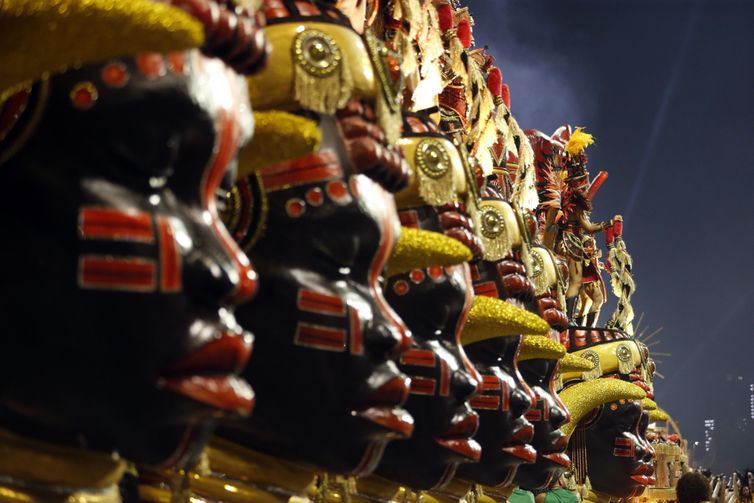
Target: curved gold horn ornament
[[540, 347], [586, 396], [658, 415], [491, 317], [573, 363], [419, 249], [38, 37]]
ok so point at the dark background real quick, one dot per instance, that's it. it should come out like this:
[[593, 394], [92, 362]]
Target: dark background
[[667, 88]]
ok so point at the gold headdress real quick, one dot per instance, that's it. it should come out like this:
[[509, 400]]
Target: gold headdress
[[38, 37], [491, 317], [658, 415], [583, 397], [536, 347], [419, 249]]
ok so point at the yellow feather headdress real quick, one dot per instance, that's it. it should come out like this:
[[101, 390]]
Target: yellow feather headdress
[[578, 141]]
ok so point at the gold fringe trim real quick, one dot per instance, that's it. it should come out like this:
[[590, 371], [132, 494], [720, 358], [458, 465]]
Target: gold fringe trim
[[43, 36], [483, 146], [583, 397], [278, 137], [491, 317], [524, 188], [537, 271], [456, 61], [322, 94], [436, 191], [419, 249], [496, 246], [391, 121]]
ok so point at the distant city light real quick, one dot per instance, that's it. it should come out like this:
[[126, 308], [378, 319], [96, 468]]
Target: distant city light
[[709, 427]]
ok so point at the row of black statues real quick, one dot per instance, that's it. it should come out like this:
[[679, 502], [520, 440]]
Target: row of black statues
[[407, 297]]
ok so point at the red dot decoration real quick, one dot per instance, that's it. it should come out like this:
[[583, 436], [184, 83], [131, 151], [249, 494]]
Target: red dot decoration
[[295, 207], [613, 406], [84, 95], [177, 63], [151, 64], [314, 196], [115, 74], [435, 272], [338, 192], [417, 276], [400, 287]]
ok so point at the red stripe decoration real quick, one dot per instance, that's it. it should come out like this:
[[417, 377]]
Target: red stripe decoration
[[409, 218], [505, 392], [444, 378], [474, 270], [116, 225], [314, 302], [418, 358], [534, 414], [487, 288], [485, 402], [490, 383], [308, 169], [170, 258], [422, 386], [319, 337], [357, 337], [99, 272], [628, 448]]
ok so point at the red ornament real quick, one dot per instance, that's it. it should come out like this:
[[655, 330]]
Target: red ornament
[[445, 16], [115, 74], [84, 95], [151, 64], [417, 276], [464, 33], [295, 207], [338, 192], [400, 287], [435, 272], [506, 95], [314, 196], [177, 63], [495, 81]]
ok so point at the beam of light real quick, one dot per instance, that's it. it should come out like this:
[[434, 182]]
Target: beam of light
[[714, 334], [662, 109]]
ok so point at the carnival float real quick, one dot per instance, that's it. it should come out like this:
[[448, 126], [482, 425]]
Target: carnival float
[[342, 186]]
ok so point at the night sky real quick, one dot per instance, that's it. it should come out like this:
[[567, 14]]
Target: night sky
[[667, 88]]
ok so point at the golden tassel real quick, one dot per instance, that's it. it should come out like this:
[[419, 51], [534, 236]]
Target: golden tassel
[[596, 372], [484, 145], [388, 119], [493, 234], [322, 82], [456, 61], [526, 253]]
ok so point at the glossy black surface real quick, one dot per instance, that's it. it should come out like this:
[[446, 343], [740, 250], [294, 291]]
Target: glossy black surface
[[504, 432], [434, 303], [618, 455], [548, 414], [86, 350], [320, 270]]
